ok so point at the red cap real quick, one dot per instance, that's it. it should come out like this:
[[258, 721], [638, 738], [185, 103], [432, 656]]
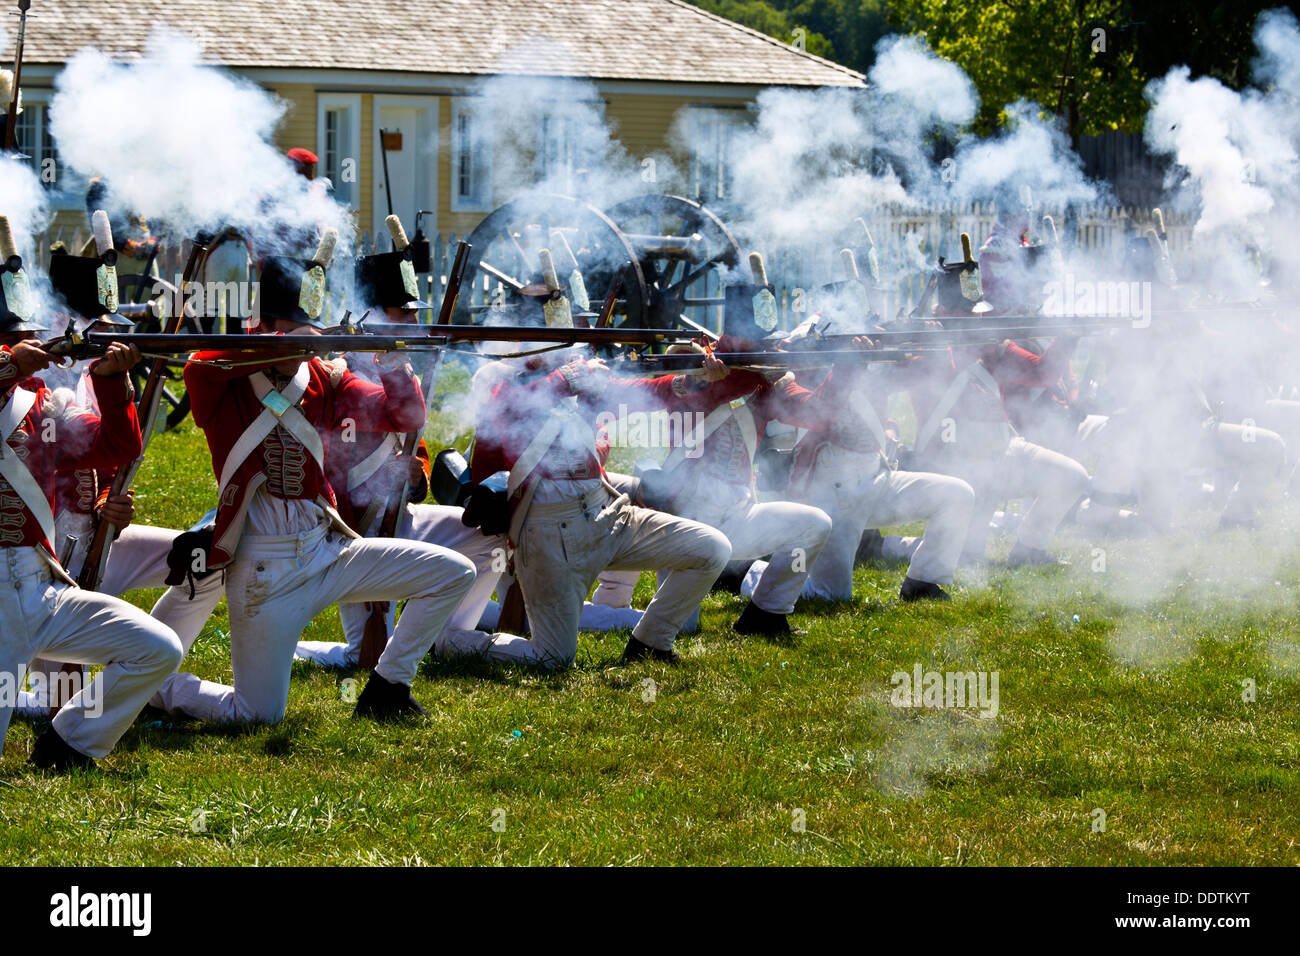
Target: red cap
[[300, 155]]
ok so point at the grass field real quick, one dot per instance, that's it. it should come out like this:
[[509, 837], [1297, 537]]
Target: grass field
[[753, 751]]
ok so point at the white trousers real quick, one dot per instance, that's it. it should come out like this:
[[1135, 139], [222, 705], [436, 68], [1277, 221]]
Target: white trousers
[[42, 616], [594, 616], [138, 559], [793, 534], [277, 584], [844, 486], [431, 524], [564, 546], [1048, 481], [1250, 456]]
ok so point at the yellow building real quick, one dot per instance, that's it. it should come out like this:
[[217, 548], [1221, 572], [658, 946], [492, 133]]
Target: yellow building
[[347, 70]]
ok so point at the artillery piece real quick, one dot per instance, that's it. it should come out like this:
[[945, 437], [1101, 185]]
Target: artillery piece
[[660, 252]]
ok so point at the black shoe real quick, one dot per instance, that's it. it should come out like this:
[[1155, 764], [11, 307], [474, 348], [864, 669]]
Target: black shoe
[[636, 651], [384, 700], [754, 620], [732, 576], [914, 590], [51, 752], [1023, 557], [871, 547]]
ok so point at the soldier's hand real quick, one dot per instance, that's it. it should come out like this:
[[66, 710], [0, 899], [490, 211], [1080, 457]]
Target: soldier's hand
[[414, 469], [30, 358], [393, 360], [119, 358], [118, 510], [862, 342], [715, 370], [586, 376]]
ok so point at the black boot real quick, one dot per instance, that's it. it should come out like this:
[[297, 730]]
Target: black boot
[[636, 651], [51, 752], [731, 577], [871, 547], [754, 620], [914, 590], [384, 700]]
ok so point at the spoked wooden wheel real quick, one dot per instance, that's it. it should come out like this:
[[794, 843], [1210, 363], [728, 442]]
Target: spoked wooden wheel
[[505, 249], [684, 251]]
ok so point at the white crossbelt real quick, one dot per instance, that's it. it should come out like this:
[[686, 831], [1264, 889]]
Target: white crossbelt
[[975, 370], [280, 409], [365, 469], [15, 471], [739, 410], [527, 463]]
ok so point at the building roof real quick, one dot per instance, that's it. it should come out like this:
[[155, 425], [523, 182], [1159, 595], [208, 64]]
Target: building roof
[[647, 40]]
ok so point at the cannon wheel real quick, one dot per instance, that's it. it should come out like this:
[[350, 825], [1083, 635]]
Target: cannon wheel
[[672, 273], [176, 401], [508, 242]]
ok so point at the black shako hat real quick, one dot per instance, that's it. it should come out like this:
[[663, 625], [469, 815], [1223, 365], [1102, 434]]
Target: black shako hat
[[292, 289], [387, 280], [88, 284], [17, 304]]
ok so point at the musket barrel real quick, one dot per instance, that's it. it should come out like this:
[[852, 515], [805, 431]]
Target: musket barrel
[[385, 337]]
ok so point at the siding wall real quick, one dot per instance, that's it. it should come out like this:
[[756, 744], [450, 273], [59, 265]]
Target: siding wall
[[642, 122]]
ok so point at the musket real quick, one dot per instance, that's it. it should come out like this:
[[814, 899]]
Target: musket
[[813, 358], [454, 280], [375, 638], [967, 335], [92, 569], [83, 345], [11, 115], [388, 186], [620, 335]]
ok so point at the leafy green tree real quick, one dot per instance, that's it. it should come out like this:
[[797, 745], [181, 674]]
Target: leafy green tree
[[1087, 60], [762, 16]]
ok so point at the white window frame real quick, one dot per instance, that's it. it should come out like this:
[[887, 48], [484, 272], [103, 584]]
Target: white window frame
[[68, 191], [350, 148], [711, 132], [576, 154], [480, 158]]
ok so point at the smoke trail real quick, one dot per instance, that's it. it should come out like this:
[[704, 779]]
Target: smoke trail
[[187, 144]]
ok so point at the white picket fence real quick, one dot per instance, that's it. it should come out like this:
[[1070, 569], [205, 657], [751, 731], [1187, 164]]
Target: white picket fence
[[908, 240]]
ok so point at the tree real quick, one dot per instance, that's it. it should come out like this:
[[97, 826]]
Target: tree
[[1087, 60], [762, 16]]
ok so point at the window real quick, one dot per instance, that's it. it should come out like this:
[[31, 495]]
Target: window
[[67, 189], [338, 136], [712, 131], [471, 162], [568, 143], [32, 131]]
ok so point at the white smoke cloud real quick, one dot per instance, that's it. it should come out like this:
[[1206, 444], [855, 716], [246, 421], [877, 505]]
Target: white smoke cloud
[[187, 144], [1235, 157], [24, 201], [1031, 152]]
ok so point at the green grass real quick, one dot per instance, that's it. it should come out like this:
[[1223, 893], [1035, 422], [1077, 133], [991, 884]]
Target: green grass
[[1137, 709]]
